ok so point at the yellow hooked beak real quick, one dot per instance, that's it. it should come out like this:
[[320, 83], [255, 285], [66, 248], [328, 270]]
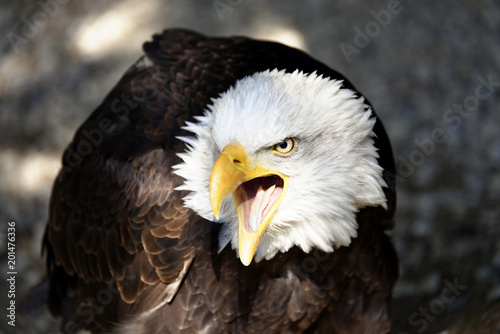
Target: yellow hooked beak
[[257, 194]]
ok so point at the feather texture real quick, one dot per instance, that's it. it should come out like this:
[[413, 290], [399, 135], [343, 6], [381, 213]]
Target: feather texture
[[124, 253]]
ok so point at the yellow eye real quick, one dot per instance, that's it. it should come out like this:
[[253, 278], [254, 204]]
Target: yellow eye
[[285, 147]]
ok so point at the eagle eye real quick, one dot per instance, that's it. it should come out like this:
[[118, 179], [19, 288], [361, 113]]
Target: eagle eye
[[285, 147]]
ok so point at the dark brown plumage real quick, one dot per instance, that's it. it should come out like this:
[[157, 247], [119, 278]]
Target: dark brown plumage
[[119, 240]]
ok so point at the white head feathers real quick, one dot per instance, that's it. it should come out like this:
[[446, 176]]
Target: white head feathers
[[333, 172]]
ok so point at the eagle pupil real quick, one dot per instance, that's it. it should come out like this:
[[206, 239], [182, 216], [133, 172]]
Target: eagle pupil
[[285, 146]]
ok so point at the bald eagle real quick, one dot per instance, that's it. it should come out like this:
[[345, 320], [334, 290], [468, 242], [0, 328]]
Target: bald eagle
[[225, 185]]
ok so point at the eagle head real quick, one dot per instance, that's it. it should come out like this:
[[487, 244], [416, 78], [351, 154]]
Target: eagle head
[[282, 160]]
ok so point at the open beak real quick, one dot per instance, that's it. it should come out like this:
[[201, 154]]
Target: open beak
[[257, 194]]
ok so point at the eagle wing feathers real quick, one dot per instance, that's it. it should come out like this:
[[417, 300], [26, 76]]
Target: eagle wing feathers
[[118, 225]]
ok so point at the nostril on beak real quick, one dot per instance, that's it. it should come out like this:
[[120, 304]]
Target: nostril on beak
[[236, 161]]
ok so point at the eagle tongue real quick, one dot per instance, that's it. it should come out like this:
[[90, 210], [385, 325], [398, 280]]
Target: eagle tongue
[[258, 207], [255, 199]]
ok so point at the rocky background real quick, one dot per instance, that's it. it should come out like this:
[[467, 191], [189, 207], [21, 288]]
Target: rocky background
[[430, 69]]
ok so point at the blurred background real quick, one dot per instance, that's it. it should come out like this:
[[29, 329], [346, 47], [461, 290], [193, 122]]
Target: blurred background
[[430, 69]]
